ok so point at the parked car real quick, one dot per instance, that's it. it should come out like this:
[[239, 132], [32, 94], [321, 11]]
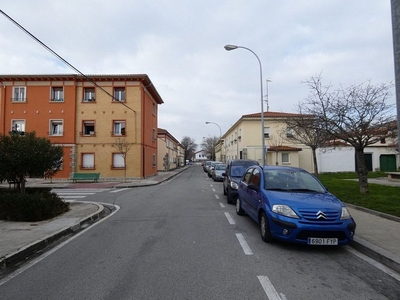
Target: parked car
[[216, 173], [235, 169], [211, 167], [206, 165], [292, 205]]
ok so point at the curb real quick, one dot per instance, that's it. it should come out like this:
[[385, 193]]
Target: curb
[[377, 253], [32, 248]]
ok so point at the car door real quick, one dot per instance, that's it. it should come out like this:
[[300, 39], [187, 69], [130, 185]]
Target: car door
[[244, 197], [254, 193]]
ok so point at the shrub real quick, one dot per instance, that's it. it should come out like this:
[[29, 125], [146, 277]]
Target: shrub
[[37, 205]]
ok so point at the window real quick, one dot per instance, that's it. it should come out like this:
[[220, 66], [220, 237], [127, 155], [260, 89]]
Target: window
[[118, 161], [267, 133], [56, 127], [289, 132], [89, 95], [57, 94], [88, 128], [154, 160], [154, 109], [154, 134], [119, 128], [285, 158], [87, 161], [18, 94], [119, 94], [18, 125]]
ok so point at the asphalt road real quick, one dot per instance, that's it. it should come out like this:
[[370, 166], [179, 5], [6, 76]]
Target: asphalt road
[[180, 240]]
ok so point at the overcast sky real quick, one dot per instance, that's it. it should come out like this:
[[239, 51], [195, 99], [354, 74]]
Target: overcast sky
[[179, 44]]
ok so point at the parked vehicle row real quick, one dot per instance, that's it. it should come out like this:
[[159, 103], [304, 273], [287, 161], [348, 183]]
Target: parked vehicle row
[[287, 203], [214, 169]]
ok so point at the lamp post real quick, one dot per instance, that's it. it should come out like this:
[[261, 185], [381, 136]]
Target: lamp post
[[220, 136], [233, 47]]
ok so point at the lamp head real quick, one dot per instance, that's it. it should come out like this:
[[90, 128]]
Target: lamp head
[[230, 47], [207, 122]]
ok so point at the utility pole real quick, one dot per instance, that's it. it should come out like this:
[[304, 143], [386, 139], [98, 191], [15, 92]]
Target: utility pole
[[395, 5]]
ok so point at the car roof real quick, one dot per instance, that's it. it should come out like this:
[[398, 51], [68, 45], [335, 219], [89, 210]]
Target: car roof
[[281, 168], [243, 162]]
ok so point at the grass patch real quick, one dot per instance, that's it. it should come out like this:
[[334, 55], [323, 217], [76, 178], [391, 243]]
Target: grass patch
[[381, 198]]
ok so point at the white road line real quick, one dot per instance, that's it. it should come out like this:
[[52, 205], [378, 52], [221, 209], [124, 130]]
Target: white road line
[[216, 197], [230, 219], [376, 264], [71, 193], [269, 289], [214, 190], [72, 197], [222, 205], [119, 190], [244, 244]]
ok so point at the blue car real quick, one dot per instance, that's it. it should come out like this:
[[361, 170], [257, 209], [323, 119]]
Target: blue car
[[290, 204]]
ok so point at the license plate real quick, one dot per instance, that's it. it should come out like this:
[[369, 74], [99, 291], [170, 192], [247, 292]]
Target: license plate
[[322, 241]]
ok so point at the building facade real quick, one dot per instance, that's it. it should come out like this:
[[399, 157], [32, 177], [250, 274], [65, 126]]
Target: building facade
[[170, 152], [106, 123], [243, 141]]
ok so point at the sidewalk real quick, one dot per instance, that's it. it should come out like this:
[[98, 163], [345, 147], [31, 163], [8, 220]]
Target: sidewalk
[[377, 234]]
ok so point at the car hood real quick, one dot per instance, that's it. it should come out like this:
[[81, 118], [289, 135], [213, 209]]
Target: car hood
[[303, 200], [236, 179]]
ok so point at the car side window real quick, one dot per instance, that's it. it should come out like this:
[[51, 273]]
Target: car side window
[[247, 175], [255, 178]]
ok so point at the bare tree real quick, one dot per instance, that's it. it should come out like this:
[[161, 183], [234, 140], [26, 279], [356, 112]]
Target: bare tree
[[208, 146], [190, 147], [123, 148], [357, 115], [308, 130]]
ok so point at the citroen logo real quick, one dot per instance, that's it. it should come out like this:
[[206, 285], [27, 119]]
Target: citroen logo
[[321, 215]]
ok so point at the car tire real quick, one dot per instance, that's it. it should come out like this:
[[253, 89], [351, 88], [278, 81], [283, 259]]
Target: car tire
[[264, 229], [228, 198], [239, 209]]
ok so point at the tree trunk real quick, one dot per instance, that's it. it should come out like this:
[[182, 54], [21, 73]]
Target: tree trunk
[[315, 162], [362, 171]]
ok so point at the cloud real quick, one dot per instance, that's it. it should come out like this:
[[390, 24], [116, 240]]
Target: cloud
[[180, 44]]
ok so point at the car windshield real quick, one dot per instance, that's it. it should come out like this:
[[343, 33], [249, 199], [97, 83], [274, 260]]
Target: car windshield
[[292, 180], [220, 167], [238, 171]]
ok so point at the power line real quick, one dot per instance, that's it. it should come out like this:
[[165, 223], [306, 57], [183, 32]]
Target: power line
[[62, 59]]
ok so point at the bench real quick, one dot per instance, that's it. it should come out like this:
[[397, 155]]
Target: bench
[[393, 176], [85, 176]]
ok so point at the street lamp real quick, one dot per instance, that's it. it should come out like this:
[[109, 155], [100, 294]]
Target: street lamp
[[233, 47], [220, 136]]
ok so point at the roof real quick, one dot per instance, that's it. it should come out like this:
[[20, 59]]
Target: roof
[[272, 114], [283, 148], [164, 132], [143, 78]]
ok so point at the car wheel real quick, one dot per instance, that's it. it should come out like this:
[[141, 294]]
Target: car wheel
[[264, 229], [228, 198], [239, 209]]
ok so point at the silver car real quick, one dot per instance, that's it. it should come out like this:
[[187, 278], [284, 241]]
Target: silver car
[[216, 173]]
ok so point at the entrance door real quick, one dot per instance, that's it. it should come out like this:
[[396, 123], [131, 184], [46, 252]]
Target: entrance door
[[387, 162]]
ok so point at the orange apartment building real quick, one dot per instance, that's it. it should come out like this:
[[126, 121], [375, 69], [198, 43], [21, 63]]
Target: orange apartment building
[[88, 116]]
